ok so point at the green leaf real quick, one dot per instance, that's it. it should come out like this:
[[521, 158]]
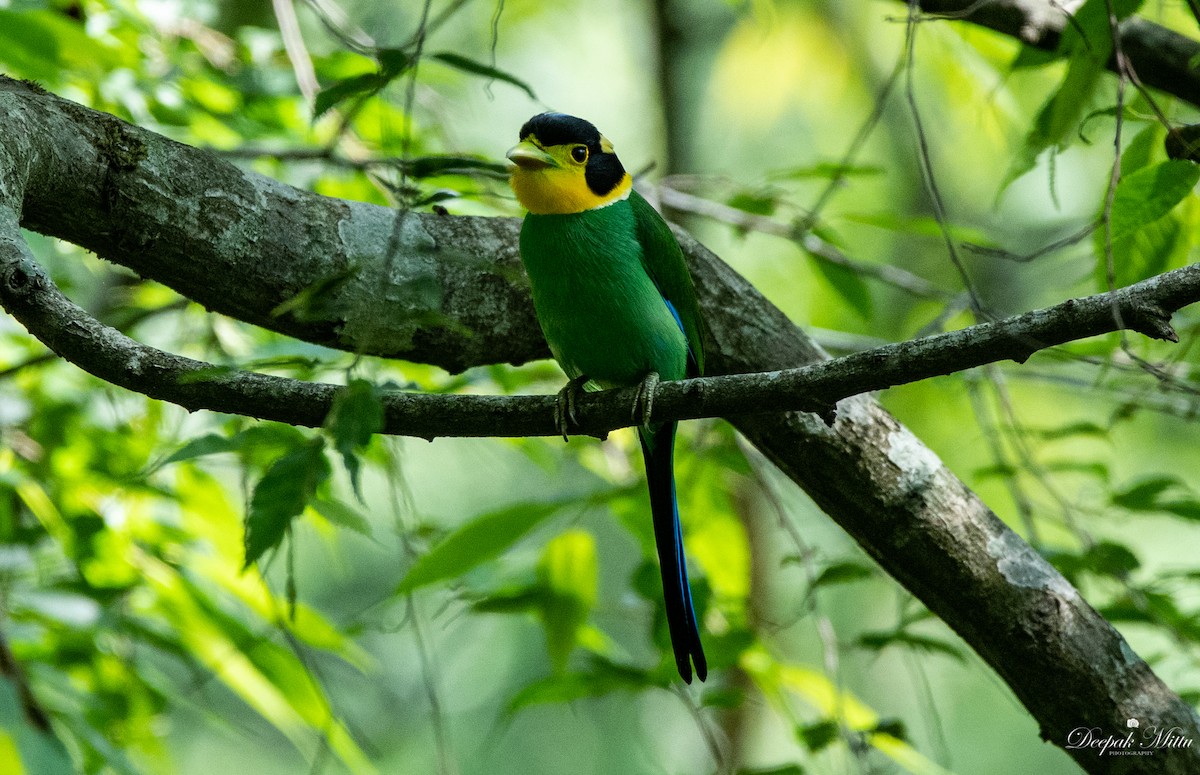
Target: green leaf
[[569, 573], [270, 677], [269, 440], [1145, 494], [828, 169], [1030, 57], [849, 285], [877, 641], [818, 736], [755, 202], [1073, 430], [46, 45], [1128, 114], [1142, 149], [511, 601], [341, 515], [603, 677], [479, 540], [1140, 254], [393, 62], [1184, 142], [1150, 193], [1157, 608], [786, 769], [1086, 467], [1190, 696], [441, 195], [1089, 28], [1105, 558], [1087, 42], [478, 68], [1063, 113], [358, 86], [356, 416], [210, 444], [1188, 508], [729, 698], [1165, 494], [431, 166], [319, 300], [892, 726], [1110, 559], [281, 495], [843, 573], [995, 471], [35, 751], [921, 226], [1055, 122]]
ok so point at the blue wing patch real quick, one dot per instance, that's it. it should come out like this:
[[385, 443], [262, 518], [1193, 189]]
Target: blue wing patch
[[674, 314], [694, 367]]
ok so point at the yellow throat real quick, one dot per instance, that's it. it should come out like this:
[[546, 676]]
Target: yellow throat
[[553, 180]]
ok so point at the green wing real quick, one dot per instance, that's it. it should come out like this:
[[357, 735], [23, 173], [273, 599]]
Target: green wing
[[663, 261]]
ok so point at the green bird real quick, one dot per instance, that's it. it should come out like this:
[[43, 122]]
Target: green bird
[[617, 306]]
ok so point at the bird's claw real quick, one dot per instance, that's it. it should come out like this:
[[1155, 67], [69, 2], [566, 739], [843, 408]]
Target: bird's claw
[[565, 403], [643, 405]]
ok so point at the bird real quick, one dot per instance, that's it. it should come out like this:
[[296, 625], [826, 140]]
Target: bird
[[618, 308]]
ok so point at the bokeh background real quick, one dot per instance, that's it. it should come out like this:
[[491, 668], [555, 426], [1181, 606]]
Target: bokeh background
[[785, 134]]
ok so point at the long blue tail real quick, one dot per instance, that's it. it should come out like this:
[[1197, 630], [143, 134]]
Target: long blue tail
[[658, 445]]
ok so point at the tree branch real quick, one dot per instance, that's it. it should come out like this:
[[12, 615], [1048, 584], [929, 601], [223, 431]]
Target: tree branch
[[242, 244], [31, 297], [448, 290], [1162, 58]]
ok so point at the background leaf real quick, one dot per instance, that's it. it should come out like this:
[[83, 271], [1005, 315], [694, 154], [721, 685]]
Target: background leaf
[[568, 571], [1150, 193], [356, 416], [479, 540], [281, 496], [469, 65]]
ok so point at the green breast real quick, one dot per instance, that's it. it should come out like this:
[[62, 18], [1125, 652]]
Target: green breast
[[601, 313]]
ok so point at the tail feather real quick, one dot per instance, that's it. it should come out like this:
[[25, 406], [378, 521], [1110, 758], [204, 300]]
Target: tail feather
[[657, 447]]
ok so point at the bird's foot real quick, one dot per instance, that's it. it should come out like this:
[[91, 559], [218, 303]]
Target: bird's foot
[[643, 405], [565, 403]]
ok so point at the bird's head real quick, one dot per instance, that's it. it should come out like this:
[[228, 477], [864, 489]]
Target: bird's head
[[564, 165]]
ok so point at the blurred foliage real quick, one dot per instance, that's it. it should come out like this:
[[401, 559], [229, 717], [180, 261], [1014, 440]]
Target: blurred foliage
[[182, 590]]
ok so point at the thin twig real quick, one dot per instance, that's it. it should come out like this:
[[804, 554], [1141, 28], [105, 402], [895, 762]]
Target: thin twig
[[1024, 258], [798, 233], [931, 186], [1017, 434], [28, 363], [1114, 177], [297, 52], [410, 97], [1000, 457], [856, 145], [826, 632], [705, 728], [339, 25], [441, 737]]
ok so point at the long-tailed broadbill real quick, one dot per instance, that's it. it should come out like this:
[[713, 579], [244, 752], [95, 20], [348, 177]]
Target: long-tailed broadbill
[[618, 308]]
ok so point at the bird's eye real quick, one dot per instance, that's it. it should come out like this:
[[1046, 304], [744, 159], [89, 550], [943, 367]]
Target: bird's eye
[[579, 153]]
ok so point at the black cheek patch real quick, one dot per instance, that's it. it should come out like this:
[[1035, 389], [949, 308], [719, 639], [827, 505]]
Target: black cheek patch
[[604, 172]]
